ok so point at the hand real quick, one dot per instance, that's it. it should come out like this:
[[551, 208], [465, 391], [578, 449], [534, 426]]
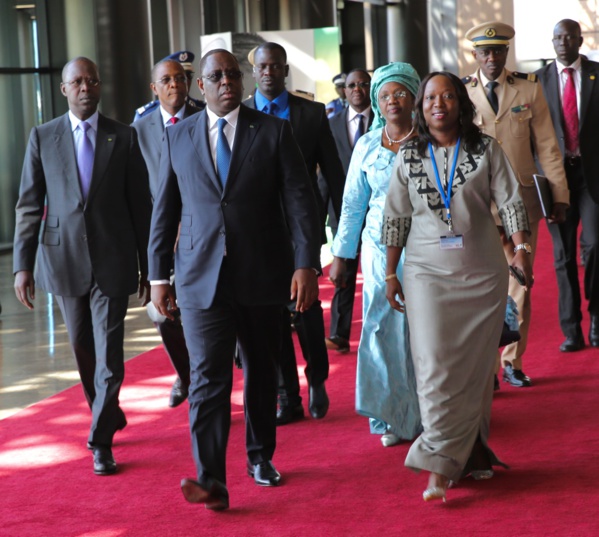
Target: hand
[[337, 272], [394, 290], [164, 300], [144, 290], [304, 288], [521, 261], [25, 288], [558, 213]]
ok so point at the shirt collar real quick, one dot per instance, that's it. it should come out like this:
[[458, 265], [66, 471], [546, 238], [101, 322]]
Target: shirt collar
[[351, 113], [576, 66], [231, 117], [484, 80], [166, 116], [92, 120], [281, 100]]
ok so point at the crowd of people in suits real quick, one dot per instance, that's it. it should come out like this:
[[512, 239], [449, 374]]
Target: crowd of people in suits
[[214, 211]]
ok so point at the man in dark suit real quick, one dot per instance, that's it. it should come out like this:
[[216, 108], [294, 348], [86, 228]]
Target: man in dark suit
[[91, 253], [347, 127], [236, 181], [571, 87], [312, 133], [169, 84]]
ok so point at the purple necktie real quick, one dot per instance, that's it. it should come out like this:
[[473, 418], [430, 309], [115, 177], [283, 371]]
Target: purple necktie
[[85, 159]]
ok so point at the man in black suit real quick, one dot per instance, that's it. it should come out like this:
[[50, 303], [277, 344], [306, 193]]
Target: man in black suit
[[236, 182], [347, 127], [169, 84], [92, 250], [312, 132], [571, 87]]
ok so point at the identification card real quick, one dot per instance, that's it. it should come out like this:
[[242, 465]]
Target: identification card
[[451, 242]]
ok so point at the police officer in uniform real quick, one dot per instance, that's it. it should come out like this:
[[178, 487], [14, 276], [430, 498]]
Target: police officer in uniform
[[185, 58], [511, 107]]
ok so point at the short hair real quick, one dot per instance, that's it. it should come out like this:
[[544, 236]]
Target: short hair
[[360, 70], [211, 53], [163, 62], [75, 60], [469, 132], [272, 46]]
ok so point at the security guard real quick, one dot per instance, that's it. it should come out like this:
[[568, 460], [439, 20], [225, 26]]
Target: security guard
[[339, 104], [511, 107], [185, 58]]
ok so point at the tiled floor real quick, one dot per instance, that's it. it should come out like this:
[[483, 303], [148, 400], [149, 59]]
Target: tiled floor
[[35, 356]]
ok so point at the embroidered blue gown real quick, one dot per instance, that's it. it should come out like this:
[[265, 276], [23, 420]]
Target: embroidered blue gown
[[385, 382]]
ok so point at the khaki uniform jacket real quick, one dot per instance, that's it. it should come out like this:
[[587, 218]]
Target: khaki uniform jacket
[[522, 125]]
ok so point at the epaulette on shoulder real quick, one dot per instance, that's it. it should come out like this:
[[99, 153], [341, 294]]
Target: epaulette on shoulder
[[147, 107], [196, 103], [531, 77], [466, 79], [473, 81]]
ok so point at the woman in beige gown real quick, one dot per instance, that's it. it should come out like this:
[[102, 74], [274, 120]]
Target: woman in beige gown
[[455, 276]]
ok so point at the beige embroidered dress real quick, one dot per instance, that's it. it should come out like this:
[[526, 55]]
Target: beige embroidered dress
[[455, 299]]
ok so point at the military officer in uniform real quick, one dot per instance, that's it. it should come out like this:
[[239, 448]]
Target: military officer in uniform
[[511, 107], [185, 58]]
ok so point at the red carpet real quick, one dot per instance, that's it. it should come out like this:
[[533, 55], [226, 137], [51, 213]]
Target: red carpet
[[338, 479]]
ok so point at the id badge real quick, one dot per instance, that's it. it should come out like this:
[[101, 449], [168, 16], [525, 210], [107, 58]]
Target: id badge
[[451, 242]]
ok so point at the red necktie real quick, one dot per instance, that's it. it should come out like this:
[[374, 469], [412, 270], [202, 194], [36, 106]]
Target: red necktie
[[174, 120], [570, 113]]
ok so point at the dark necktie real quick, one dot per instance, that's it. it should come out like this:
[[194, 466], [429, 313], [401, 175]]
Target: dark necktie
[[570, 113], [85, 159], [492, 96], [173, 120], [223, 153], [271, 108], [360, 130]]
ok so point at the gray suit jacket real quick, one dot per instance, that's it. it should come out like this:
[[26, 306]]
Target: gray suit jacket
[[265, 220], [150, 131], [589, 115], [102, 239]]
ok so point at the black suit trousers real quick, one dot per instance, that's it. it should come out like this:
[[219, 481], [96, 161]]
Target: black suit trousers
[[96, 327], [211, 335], [582, 209]]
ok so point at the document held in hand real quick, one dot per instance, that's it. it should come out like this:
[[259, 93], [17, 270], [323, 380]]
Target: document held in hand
[[544, 192]]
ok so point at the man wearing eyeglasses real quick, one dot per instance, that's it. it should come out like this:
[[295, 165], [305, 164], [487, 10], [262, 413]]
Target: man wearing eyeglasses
[[169, 84], [511, 107], [249, 240], [91, 252], [185, 58], [347, 127], [312, 133]]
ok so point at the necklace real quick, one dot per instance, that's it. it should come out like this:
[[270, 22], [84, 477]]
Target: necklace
[[393, 142]]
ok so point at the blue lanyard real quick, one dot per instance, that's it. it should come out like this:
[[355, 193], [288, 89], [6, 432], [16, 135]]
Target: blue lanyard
[[445, 196]]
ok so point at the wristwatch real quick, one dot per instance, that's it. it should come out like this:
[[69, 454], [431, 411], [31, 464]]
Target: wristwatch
[[524, 246]]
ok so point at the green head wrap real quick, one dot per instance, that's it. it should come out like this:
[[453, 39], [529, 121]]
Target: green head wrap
[[400, 72]]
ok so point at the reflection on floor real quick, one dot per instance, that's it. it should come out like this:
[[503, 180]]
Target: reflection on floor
[[35, 356]]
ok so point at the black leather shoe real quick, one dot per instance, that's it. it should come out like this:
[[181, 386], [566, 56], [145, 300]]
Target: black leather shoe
[[214, 497], [337, 343], [572, 344], [286, 414], [516, 377], [319, 401], [178, 393], [104, 463], [594, 331], [264, 474]]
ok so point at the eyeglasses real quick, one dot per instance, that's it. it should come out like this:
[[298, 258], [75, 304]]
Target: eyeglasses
[[78, 82], [355, 85], [272, 66], [397, 95], [216, 76], [167, 80]]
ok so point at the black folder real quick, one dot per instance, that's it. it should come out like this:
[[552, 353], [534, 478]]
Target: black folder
[[544, 192]]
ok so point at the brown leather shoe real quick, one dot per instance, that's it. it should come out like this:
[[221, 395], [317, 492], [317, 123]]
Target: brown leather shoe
[[214, 496]]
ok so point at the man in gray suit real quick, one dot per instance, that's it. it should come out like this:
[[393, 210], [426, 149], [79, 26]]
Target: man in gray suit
[[169, 84], [91, 253], [236, 182]]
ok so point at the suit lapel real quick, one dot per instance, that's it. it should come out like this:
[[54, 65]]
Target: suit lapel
[[157, 131], [507, 97], [553, 98], [245, 133], [588, 79], [198, 132], [66, 151], [105, 142]]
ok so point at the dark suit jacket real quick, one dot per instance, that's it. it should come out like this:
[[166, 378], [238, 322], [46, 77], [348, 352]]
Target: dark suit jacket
[[267, 202], [104, 238], [150, 131], [339, 129], [589, 115], [312, 133]]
